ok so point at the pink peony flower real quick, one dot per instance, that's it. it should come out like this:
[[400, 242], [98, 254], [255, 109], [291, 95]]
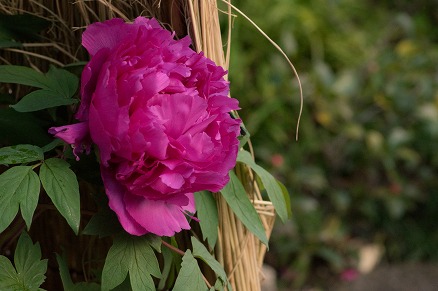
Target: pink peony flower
[[159, 114]]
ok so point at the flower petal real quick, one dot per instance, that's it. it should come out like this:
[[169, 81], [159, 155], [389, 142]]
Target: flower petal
[[109, 122], [173, 180], [70, 133], [111, 33], [89, 78], [115, 192], [106, 34], [190, 207], [162, 217], [77, 135]]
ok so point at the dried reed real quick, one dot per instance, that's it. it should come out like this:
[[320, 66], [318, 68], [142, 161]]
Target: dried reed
[[238, 250]]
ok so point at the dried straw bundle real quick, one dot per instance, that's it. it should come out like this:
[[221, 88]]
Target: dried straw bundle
[[238, 250]]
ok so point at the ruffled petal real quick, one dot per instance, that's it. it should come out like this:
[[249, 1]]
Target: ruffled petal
[[89, 78], [148, 22], [115, 192], [111, 33], [161, 217], [106, 34], [190, 207], [109, 122], [77, 135]]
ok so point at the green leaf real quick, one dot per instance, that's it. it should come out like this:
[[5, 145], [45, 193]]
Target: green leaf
[[166, 274], [58, 87], [116, 266], [62, 187], [19, 187], [8, 275], [125, 286], [177, 259], [41, 99], [206, 209], [134, 255], [29, 270], [219, 285], [76, 68], [244, 136], [244, 133], [138, 276], [80, 64], [22, 128], [29, 201], [273, 189], [53, 144], [25, 27], [286, 197], [103, 223], [154, 241], [200, 252], [23, 75], [62, 82], [190, 276], [27, 259], [19, 154], [9, 43], [143, 262], [238, 200], [67, 281]]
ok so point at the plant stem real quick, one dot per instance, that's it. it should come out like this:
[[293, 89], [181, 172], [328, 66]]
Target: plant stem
[[172, 248]]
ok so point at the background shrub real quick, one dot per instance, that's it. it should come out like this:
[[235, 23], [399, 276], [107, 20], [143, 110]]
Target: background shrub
[[364, 168]]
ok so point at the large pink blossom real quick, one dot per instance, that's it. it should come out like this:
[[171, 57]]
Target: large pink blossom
[[159, 115]]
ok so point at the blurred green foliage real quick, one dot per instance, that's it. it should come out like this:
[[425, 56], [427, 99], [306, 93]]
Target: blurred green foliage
[[365, 166]]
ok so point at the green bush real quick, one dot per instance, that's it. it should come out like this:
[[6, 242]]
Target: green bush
[[364, 168]]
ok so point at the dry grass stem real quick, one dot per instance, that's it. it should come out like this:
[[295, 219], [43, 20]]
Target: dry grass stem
[[284, 55]]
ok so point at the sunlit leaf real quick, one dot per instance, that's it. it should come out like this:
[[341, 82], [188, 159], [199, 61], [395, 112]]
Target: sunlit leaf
[[133, 255], [206, 210], [201, 252], [286, 197], [190, 276], [238, 200], [271, 185]]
